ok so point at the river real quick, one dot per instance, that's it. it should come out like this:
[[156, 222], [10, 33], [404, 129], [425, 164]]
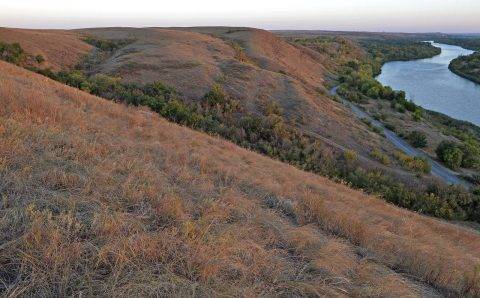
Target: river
[[431, 85]]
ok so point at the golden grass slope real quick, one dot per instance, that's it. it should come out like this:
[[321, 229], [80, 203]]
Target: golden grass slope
[[61, 49], [102, 199], [272, 53], [267, 69]]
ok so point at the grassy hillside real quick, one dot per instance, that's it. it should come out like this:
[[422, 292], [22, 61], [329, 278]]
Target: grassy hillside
[[467, 67], [103, 199], [58, 49], [252, 66], [266, 126]]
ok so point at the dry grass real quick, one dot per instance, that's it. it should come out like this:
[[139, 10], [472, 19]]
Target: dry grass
[[101, 199], [246, 63], [61, 49]]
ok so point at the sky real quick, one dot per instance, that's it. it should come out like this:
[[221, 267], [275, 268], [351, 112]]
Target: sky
[[449, 16]]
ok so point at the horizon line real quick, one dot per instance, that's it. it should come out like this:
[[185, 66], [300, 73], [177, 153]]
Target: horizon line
[[271, 30]]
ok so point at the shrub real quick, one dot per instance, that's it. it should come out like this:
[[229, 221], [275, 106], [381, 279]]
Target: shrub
[[410, 106], [471, 154], [353, 64], [12, 53], [476, 191], [350, 156], [416, 164], [373, 92], [390, 127], [240, 54], [74, 78], [381, 157], [159, 89], [273, 108], [450, 154], [417, 139], [107, 45], [216, 98], [377, 129], [380, 116], [102, 84], [399, 107], [417, 115], [39, 59]]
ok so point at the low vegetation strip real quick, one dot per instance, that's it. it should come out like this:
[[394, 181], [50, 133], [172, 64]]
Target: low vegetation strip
[[103, 199], [467, 42], [398, 50]]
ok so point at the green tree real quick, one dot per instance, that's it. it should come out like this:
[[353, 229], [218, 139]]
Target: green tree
[[450, 154], [417, 139]]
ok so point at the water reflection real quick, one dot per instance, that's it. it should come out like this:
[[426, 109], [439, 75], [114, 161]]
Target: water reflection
[[430, 84]]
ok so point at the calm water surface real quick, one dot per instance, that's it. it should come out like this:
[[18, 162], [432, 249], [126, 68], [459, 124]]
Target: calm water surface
[[430, 84]]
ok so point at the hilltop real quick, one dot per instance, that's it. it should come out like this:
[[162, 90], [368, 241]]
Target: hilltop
[[103, 199]]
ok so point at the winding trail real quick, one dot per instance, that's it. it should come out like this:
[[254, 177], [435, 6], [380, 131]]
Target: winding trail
[[438, 170]]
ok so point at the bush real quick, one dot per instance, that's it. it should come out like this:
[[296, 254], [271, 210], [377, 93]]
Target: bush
[[378, 130], [381, 157], [390, 127], [471, 154], [350, 156], [450, 154], [12, 53], [476, 191], [416, 164], [417, 115], [39, 59], [417, 139], [410, 106], [108, 45]]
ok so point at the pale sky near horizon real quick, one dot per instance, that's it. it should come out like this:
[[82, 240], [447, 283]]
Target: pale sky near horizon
[[359, 15]]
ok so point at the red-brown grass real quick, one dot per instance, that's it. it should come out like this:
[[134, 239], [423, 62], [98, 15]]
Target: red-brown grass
[[102, 199]]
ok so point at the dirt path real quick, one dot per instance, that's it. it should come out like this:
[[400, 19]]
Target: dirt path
[[438, 170]]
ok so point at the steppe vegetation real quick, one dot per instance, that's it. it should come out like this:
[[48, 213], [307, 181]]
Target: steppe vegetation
[[270, 134], [104, 199], [100, 195]]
